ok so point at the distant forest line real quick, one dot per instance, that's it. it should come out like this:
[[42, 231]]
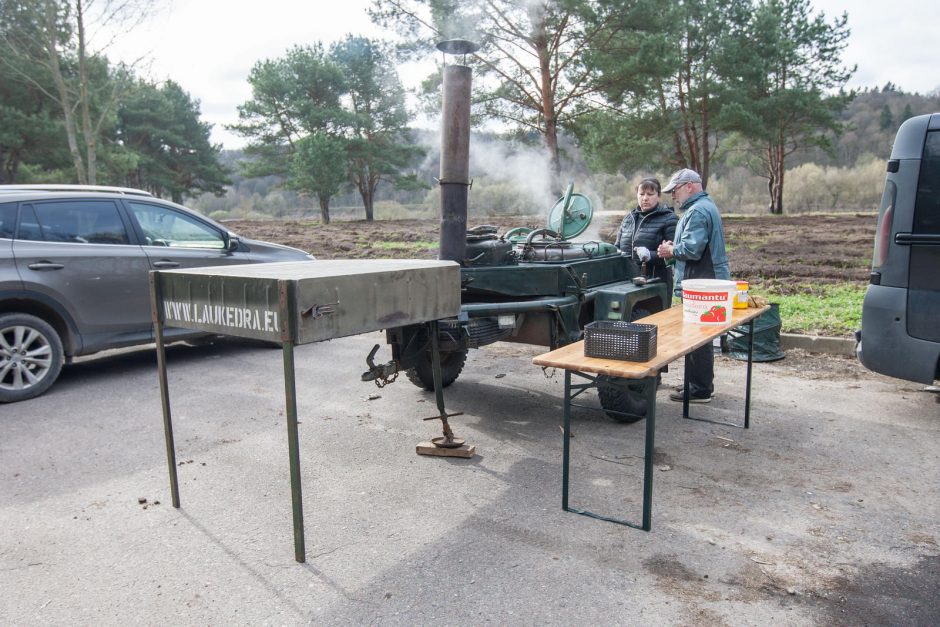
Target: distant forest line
[[750, 93], [849, 179]]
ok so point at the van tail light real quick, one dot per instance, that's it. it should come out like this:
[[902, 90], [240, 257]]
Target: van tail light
[[883, 238]]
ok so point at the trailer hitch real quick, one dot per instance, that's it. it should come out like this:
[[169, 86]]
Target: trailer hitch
[[382, 374]]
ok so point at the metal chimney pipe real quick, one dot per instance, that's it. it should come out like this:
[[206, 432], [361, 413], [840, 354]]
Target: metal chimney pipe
[[455, 162]]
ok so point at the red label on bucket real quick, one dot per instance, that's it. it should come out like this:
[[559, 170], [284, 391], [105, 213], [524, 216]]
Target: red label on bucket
[[717, 297]]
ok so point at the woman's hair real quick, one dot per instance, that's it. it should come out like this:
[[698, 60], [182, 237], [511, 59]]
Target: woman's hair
[[650, 184]]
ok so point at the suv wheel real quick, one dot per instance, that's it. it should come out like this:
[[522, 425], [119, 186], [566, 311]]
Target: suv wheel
[[30, 357]]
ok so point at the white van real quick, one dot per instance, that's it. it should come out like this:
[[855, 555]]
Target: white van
[[900, 334]]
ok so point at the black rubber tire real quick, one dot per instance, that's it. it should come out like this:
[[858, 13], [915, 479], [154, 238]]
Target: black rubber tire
[[616, 399], [42, 362], [422, 374]]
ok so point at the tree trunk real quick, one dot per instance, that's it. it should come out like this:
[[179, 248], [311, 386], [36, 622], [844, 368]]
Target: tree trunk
[[548, 107], [679, 157], [368, 200], [366, 182], [778, 192], [704, 147], [324, 209], [11, 164], [366, 192], [88, 132], [551, 143], [64, 101], [775, 167]]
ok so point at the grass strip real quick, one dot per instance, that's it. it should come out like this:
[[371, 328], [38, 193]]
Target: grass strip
[[419, 245], [834, 310]]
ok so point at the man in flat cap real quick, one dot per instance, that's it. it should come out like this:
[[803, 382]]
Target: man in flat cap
[[699, 251]]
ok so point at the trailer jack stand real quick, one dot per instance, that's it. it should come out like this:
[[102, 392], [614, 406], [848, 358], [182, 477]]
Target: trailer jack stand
[[446, 445]]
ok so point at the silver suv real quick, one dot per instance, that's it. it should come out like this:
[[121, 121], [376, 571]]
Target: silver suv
[[74, 264]]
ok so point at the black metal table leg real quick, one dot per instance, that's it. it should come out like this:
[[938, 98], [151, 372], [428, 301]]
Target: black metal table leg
[[648, 453], [685, 388], [747, 388], [566, 446], [650, 393], [750, 360]]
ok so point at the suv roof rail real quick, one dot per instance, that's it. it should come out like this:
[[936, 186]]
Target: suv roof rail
[[67, 187]]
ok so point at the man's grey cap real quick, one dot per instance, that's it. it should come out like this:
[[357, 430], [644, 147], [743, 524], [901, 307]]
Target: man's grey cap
[[681, 177]]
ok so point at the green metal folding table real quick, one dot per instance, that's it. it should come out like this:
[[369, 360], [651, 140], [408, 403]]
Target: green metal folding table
[[296, 303]]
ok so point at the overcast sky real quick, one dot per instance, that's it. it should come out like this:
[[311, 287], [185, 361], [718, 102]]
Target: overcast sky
[[209, 46]]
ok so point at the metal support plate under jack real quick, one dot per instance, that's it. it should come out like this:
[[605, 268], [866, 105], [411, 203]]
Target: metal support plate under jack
[[445, 445]]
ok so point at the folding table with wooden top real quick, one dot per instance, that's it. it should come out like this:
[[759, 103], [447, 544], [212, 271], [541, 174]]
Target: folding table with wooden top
[[675, 338]]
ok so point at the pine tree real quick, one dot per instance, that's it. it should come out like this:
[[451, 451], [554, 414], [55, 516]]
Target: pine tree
[[907, 113], [887, 118]]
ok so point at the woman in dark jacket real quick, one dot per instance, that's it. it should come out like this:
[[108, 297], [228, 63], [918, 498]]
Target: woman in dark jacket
[[645, 228]]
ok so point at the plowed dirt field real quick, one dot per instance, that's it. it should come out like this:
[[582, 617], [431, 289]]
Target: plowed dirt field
[[788, 253]]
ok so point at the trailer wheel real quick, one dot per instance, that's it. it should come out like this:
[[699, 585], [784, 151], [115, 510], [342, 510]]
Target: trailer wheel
[[617, 400], [422, 374], [31, 357]]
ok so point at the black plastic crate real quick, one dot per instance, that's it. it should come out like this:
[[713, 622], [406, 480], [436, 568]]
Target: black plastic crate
[[627, 341]]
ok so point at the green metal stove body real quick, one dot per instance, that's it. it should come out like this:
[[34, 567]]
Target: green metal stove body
[[533, 286]]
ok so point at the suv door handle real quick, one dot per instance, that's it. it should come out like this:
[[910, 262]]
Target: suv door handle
[[45, 265], [166, 263]]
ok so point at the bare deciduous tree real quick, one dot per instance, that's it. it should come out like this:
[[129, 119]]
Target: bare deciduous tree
[[65, 42], [530, 56]]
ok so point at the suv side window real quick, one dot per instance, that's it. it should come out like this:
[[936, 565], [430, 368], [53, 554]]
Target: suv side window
[[7, 219], [164, 226], [73, 221]]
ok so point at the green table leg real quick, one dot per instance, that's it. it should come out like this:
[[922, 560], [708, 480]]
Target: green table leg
[[157, 318], [293, 445]]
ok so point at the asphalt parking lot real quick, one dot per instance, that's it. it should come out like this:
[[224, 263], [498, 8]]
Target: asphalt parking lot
[[824, 512]]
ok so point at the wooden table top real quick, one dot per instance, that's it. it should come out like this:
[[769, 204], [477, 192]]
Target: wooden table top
[[674, 339]]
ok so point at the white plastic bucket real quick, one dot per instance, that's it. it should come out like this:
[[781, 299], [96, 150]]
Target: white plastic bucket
[[708, 301]]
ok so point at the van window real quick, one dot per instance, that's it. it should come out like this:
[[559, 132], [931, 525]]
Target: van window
[[927, 207], [923, 280]]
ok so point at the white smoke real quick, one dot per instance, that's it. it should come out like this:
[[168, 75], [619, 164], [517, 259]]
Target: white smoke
[[527, 169]]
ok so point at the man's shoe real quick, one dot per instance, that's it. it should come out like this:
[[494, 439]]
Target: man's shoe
[[700, 400]]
